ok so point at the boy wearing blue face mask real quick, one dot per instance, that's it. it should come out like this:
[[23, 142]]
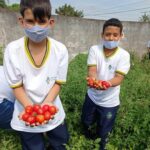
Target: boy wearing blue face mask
[[107, 65], [36, 67]]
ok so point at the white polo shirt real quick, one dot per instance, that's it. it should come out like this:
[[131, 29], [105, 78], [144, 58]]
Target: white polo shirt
[[118, 62], [37, 81], [5, 91]]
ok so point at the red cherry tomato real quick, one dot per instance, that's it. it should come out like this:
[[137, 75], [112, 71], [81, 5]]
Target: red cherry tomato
[[47, 115], [25, 116], [31, 120], [29, 109], [40, 111], [45, 107], [52, 110], [40, 119], [36, 107]]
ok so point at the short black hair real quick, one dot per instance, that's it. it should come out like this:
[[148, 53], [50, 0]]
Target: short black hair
[[113, 22], [40, 8]]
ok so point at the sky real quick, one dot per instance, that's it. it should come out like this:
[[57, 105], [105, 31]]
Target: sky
[[125, 10]]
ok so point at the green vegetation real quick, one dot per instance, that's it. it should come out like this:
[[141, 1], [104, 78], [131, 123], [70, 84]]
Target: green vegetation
[[2, 3], [67, 10], [14, 7], [145, 18], [132, 128]]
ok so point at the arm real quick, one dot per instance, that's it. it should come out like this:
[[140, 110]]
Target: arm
[[117, 80], [53, 93], [21, 96], [92, 72]]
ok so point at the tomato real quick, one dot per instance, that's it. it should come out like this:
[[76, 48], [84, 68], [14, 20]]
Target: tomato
[[25, 116], [40, 111], [45, 107], [52, 110], [29, 109], [40, 119], [34, 113], [47, 115], [36, 107], [31, 120], [105, 83]]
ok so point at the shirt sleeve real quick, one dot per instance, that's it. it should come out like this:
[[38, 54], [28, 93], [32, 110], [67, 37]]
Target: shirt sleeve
[[123, 65], [63, 68], [12, 68], [91, 61]]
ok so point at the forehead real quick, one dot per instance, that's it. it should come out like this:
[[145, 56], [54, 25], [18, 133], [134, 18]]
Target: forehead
[[28, 14], [112, 29]]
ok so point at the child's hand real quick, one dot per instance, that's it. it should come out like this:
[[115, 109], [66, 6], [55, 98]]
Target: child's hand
[[106, 85], [90, 81], [93, 83]]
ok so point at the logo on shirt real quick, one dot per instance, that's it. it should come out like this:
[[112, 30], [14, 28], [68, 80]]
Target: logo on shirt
[[110, 67], [49, 79]]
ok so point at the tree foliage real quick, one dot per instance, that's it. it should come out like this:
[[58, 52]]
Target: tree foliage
[[2, 4], [14, 7], [67, 10], [145, 18]]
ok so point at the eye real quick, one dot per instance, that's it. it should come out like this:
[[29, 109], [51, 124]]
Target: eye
[[29, 21], [115, 35]]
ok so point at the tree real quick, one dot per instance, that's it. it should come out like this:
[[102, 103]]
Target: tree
[[2, 3], [145, 18], [14, 7], [67, 10]]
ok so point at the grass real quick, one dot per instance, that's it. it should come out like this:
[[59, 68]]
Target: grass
[[132, 128]]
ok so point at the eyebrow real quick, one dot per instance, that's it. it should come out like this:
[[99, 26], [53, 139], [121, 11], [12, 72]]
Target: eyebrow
[[29, 19]]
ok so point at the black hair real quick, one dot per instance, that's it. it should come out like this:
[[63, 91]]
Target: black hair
[[113, 22], [40, 8]]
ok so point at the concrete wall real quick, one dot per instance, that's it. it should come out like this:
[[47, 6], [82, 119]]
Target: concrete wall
[[78, 34]]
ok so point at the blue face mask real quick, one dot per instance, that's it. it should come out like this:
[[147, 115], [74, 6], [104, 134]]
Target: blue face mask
[[37, 33], [110, 44]]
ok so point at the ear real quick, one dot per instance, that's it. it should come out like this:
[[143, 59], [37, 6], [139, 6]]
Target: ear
[[52, 22], [122, 35], [20, 20]]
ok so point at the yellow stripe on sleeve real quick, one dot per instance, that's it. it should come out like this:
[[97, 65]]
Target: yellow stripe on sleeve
[[120, 72], [90, 65], [16, 85], [60, 82]]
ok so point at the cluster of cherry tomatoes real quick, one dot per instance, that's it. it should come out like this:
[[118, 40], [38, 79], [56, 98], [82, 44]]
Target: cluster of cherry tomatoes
[[38, 115], [97, 84]]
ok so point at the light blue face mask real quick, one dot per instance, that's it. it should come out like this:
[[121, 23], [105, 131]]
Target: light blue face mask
[[110, 44], [37, 33]]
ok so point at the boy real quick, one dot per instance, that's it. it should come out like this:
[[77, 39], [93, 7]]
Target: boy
[[108, 64], [6, 102], [35, 67]]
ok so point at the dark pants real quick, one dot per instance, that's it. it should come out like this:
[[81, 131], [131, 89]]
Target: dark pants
[[103, 116], [57, 137], [6, 112]]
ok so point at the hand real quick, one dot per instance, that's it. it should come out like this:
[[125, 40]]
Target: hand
[[90, 81], [44, 104], [106, 85]]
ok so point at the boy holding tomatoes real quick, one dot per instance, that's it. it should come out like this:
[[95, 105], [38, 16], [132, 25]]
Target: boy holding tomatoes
[[107, 66], [36, 67]]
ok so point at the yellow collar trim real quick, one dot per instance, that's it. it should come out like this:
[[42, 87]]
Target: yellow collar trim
[[31, 60], [112, 54]]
